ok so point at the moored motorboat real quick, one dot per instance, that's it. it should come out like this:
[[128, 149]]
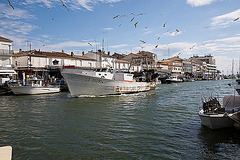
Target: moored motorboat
[[34, 86], [98, 83], [215, 116], [175, 78]]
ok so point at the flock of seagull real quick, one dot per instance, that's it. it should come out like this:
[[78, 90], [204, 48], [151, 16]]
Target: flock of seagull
[[131, 20], [135, 25]]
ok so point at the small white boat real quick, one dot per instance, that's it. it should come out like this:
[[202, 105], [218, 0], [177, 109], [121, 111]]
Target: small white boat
[[216, 120], [98, 83], [34, 86], [215, 116], [175, 78]]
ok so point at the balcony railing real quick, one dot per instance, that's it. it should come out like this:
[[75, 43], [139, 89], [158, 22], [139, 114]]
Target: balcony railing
[[6, 52]]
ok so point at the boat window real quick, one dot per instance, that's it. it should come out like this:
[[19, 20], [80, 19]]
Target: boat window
[[105, 74], [99, 74]]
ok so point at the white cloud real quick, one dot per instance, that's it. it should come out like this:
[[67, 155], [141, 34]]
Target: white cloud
[[172, 33], [15, 26], [226, 19], [66, 44], [108, 29], [197, 3], [8, 12], [224, 64], [72, 4], [119, 46]]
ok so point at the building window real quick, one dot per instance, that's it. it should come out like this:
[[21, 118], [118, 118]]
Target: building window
[[55, 62]]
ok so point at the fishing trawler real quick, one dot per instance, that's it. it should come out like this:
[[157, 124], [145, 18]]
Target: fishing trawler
[[98, 83]]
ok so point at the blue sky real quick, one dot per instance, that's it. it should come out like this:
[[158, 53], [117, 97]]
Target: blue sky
[[191, 27]]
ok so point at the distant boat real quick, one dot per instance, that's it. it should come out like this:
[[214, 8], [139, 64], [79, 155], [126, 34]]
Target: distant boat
[[98, 83], [174, 78], [34, 86]]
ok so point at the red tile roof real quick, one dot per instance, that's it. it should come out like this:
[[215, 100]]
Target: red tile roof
[[50, 54], [5, 39], [121, 61]]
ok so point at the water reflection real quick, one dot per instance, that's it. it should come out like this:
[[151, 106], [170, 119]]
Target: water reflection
[[216, 143]]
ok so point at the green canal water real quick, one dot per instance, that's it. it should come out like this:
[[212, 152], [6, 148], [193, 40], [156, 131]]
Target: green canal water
[[161, 124]]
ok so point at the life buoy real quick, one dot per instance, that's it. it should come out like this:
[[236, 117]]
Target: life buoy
[[102, 77]]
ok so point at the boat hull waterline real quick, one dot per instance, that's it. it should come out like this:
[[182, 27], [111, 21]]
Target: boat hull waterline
[[34, 90], [216, 121], [79, 85]]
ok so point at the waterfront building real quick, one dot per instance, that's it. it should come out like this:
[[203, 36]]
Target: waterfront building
[[102, 60], [122, 65], [162, 66], [140, 60], [208, 63], [152, 58], [187, 67], [34, 61], [175, 65], [6, 69], [118, 56], [6, 52]]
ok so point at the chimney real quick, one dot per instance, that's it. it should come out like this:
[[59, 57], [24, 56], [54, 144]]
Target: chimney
[[83, 53], [62, 51], [108, 53], [20, 50], [72, 54]]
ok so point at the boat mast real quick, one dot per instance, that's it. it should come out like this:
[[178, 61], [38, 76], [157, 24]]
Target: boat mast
[[232, 68], [101, 54]]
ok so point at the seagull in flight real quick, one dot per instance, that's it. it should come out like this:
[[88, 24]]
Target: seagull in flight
[[158, 38], [142, 41], [123, 15], [9, 3], [116, 16], [135, 24], [133, 14], [64, 5], [164, 25], [156, 46], [192, 47], [90, 44], [140, 14], [132, 19], [236, 19]]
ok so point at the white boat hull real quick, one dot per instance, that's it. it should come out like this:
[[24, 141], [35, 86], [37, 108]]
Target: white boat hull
[[34, 90], [216, 121], [80, 84]]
